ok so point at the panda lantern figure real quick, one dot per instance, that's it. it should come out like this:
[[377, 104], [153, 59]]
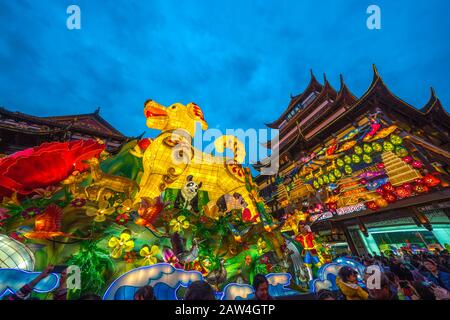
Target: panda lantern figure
[[188, 196], [310, 255]]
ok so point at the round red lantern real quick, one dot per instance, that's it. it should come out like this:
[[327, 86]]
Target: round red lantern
[[390, 197], [408, 159], [420, 188], [402, 192], [416, 164], [431, 181], [380, 165], [363, 181], [381, 202], [388, 187], [372, 205]]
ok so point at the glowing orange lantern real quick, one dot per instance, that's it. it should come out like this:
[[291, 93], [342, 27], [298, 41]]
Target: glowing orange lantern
[[372, 205], [390, 197], [403, 192], [381, 202], [388, 187], [431, 181], [48, 224]]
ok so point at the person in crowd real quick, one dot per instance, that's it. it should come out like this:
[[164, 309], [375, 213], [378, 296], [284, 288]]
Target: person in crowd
[[384, 292], [261, 286], [436, 276], [199, 290], [24, 293], [347, 282], [424, 290], [145, 293], [326, 295]]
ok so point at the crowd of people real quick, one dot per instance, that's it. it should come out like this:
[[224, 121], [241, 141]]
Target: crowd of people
[[424, 276]]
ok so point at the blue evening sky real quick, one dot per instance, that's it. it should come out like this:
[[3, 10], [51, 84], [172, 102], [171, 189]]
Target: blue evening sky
[[238, 60]]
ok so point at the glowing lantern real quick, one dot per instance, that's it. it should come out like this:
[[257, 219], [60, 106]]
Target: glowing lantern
[[380, 190], [320, 180], [408, 159], [387, 146], [358, 150], [396, 140], [377, 147], [367, 159], [337, 173], [325, 179], [48, 224], [356, 159], [403, 192], [390, 197], [347, 160], [363, 181], [372, 205], [348, 169], [420, 188], [15, 255], [340, 162], [382, 203], [431, 181], [367, 148], [331, 177], [401, 151], [380, 165], [416, 164], [316, 184], [388, 187]]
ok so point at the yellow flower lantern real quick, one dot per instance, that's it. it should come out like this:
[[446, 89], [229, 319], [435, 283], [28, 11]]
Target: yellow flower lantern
[[149, 255], [122, 244]]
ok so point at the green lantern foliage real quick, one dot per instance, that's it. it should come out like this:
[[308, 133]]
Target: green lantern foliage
[[377, 147], [396, 140], [356, 159], [320, 180], [325, 179], [367, 159], [316, 184], [367, 148], [358, 150], [348, 169], [337, 173], [347, 160], [340, 162], [387, 146], [401, 151]]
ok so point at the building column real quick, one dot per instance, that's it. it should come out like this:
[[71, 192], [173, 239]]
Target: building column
[[350, 242]]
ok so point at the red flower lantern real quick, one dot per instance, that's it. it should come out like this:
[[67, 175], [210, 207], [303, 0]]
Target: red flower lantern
[[45, 165], [372, 205], [408, 159], [416, 164], [431, 181], [122, 219], [380, 191], [388, 187], [390, 197], [380, 165], [420, 188], [403, 192]]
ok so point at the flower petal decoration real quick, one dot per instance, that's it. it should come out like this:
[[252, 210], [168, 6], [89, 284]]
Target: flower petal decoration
[[45, 165], [178, 224], [122, 244], [149, 255], [100, 212]]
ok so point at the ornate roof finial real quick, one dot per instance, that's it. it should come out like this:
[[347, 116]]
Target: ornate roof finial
[[375, 70], [341, 79], [97, 111], [433, 93], [324, 77]]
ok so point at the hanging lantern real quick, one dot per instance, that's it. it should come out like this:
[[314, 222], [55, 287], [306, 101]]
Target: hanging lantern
[[408, 186], [387, 146], [356, 159], [408, 159], [380, 190], [388, 187], [380, 165], [325, 179], [402, 192], [316, 184], [396, 140], [372, 205], [340, 162], [358, 150], [367, 148], [390, 197], [367, 159], [347, 160], [416, 164], [401, 151], [420, 188], [363, 181], [320, 180], [348, 169], [337, 173], [331, 177], [431, 181], [377, 147], [382, 203]]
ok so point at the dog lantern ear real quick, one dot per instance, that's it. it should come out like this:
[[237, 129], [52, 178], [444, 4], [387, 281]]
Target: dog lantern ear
[[189, 178], [196, 113]]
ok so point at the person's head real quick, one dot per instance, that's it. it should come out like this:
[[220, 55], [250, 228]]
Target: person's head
[[430, 265], [424, 290], [144, 293], [348, 274], [326, 295], [383, 292], [261, 286], [200, 290], [90, 296]]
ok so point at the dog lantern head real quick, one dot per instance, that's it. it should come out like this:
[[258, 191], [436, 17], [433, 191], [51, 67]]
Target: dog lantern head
[[176, 116]]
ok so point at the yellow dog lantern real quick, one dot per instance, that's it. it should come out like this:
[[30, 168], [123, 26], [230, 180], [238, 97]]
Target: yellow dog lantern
[[171, 158]]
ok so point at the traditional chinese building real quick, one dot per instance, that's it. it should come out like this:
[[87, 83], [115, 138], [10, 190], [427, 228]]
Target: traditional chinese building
[[19, 131], [369, 173]]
